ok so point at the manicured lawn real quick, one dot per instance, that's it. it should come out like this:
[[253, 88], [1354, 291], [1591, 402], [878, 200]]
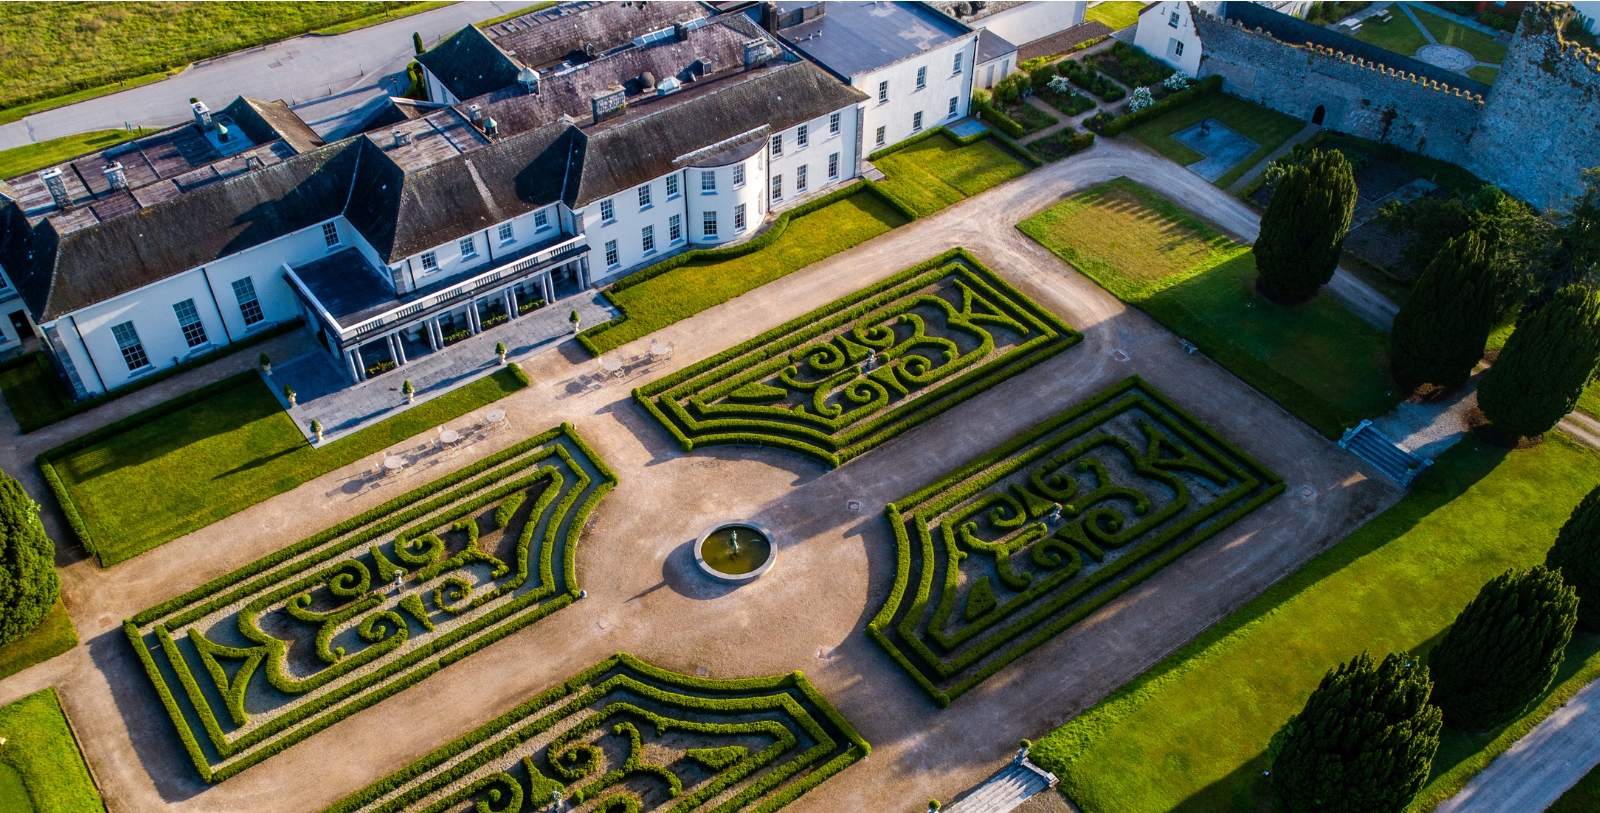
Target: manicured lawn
[[1318, 360], [1399, 35], [1583, 797], [177, 470], [43, 758], [1118, 14], [21, 160], [54, 49], [936, 172], [1191, 733], [704, 283], [1268, 128], [53, 636], [1471, 40], [34, 391]]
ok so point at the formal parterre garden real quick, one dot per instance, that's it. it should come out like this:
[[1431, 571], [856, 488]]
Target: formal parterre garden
[[1317, 359], [626, 737], [838, 381], [263, 657], [1011, 549]]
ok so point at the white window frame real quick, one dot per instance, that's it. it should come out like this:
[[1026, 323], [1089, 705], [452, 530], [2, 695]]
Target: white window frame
[[249, 301], [644, 197], [675, 229], [672, 186], [608, 211], [954, 102], [777, 186], [833, 167], [613, 259], [468, 246], [883, 92], [330, 234], [430, 261], [507, 233], [957, 68], [800, 180], [190, 325], [802, 136], [738, 175], [922, 77], [647, 239], [541, 221], [708, 223], [133, 353], [833, 123], [916, 122], [777, 145], [738, 219], [708, 182], [1172, 22], [881, 138]]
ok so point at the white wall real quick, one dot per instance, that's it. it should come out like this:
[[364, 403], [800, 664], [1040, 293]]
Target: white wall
[[988, 74], [905, 99], [1030, 21], [821, 143], [1158, 36]]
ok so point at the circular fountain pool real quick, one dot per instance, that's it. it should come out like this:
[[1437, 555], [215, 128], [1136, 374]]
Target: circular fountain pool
[[735, 551]]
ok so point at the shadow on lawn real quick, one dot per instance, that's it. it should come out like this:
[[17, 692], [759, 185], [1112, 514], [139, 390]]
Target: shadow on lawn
[[258, 462], [226, 412]]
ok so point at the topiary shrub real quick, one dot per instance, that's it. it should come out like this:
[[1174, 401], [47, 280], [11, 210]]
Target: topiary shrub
[[1364, 742], [29, 585], [1303, 230], [1545, 365], [1504, 648], [1577, 555], [1439, 334]]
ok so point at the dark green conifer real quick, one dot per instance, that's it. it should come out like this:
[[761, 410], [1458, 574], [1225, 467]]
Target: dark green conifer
[[1363, 744], [1545, 365], [1504, 648], [28, 582], [1577, 555], [1439, 334], [1304, 228]]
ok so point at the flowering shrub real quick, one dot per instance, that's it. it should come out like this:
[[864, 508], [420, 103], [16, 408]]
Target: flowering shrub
[[1059, 84], [1140, 99], [1177, 81]]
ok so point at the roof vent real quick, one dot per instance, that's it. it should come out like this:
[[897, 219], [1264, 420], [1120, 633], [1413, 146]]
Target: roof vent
[[116, 176], [223, 134], [202, 115], [529, 79], [491, 127], [668, 85], [252, 161], [647, 81], [401, 138], [608, 103], [474, 112], [57, 186]]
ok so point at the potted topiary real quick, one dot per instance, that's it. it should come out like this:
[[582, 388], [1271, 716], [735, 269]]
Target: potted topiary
[[933, 806], [316, 430], [266, 364], [288, 394], [500, 350], [574, 319], [410, 391]]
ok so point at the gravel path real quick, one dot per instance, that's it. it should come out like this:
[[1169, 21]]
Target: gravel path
[[1535, 771]]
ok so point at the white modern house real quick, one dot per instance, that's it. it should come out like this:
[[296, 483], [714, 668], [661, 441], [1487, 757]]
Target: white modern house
[[913, 62], [1166, 31], [445, 219]]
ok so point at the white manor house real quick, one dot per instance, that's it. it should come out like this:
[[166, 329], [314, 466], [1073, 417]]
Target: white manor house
[[554, 151]]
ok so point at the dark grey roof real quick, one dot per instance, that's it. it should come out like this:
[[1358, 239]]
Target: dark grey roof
[[469, 64], [266, 121], [638, 150], [992, 46], [579, 31], [852, 37], [57, 275], [1063, 41], [1295, 31], [348, 287]]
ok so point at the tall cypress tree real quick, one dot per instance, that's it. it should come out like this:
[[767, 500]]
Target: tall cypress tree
[[1363, 744], [1577, 555], [1504, 648], [28, 581], [1545, 365], [1303, 230], [1439, 334]]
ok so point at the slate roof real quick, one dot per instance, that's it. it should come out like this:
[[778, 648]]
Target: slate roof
[[992, 46], [561, 33], [852, 38], [266, 121], [469, 64], [1295, 31]]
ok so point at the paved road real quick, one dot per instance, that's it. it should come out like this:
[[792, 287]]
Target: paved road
[[325, 78], [1535, 771]]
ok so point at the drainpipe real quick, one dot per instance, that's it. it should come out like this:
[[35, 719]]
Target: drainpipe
[[89, 354]]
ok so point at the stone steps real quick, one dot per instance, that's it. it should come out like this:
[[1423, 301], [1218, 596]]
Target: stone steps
[[1006, 790], [1371, 445]]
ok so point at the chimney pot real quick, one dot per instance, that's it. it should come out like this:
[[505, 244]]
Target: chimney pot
[[57, 186], [474, 112], [116, 177], [202, 115]]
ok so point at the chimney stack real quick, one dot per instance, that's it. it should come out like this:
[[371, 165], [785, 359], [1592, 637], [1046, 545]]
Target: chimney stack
[[252, 161], [769, 17], [116, 177], [401, 138], [474, 112], [57, 187], [202, 116]]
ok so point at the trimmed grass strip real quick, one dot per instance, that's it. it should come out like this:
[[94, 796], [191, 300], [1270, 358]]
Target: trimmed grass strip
[[936, 172], [29, 157], [53, 636], [43, 757]]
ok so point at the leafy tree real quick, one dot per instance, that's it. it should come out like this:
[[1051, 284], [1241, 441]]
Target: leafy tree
[[1512, 233], [1572, 254], [1504, 648], [1545, 365], [29, 585], [1577, 555], [1303, 230], [1439, 334], [1363, 744], [1009, 90]]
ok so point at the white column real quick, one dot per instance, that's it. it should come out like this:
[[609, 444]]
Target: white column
[[474, 326], [511, 302], [399, 348], [433, 333], [549, 288], [356, 367]]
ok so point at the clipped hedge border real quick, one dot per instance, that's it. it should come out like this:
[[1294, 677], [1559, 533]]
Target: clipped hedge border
[[1183, 98], [416, 661], [779, 339], [155, 378], [982, 473], [710, 696], [761, 241]]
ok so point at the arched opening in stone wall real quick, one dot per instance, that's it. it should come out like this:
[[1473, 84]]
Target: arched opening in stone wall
[[1318, 114]]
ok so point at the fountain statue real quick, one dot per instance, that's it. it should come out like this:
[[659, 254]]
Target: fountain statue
[[733, 543], [735, 551]]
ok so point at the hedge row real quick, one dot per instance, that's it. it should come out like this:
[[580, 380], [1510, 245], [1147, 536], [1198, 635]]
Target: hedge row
[[304, 557], [1183, 98], [797, 706], [761, 241], [945, 680], [37, 357], [711, 377]]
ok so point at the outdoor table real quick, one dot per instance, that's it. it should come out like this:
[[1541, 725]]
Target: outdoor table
[[450, 436], [393, 463], [495, 416], [658, 351], [611, 365]]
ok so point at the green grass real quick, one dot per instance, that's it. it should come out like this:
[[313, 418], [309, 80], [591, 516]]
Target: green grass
[[1482, 46], [49, 50], [1118, 14], [193, 466], [406, 10], [21, 160], [518, 13], [41, 752], [34, 392], [1267, 128], [1190, 734], [1483, 74], [1399, 35], [1583, 797], [936, 172], [1318, 360], [701, 284], [53, 636]]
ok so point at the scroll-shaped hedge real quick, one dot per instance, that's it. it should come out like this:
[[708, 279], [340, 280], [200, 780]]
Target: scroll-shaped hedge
[[635, 738], [1003, 554], [842, 379], [264, 657]]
